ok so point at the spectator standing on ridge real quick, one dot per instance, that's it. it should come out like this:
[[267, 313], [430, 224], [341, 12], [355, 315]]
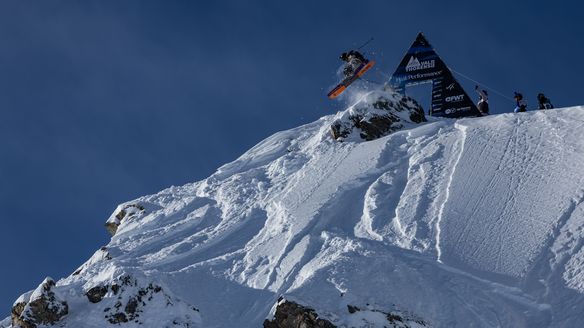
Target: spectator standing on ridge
[[483, 104], [521, 103], [544, 102]]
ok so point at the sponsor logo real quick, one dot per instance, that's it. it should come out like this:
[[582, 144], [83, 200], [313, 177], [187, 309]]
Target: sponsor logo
[[415, 65], [415, 78], [450, 87], [454, 98], [449, 111]]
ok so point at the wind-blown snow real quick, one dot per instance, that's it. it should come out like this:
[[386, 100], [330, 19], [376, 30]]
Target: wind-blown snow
[[471, 222]]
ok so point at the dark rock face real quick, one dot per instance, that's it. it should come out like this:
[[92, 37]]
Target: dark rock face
[[96, 294], [352, 308], [124, 299], [118, 318], [41, 307], [293, 315], [122, 213], [16, 315], [378, 126], [396, 320], [377, 115], [131, 300]]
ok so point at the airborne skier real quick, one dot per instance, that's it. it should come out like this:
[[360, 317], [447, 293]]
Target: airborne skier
[[356, 65], [354, 59]]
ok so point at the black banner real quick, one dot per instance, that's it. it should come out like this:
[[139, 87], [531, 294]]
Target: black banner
[[422, 64], [450, 100]]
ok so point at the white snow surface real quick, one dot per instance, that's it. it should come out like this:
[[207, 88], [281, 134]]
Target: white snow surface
[[462, 223]]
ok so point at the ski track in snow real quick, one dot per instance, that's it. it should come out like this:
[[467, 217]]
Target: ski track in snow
[[517, 173], [458, 149], [476, 222]]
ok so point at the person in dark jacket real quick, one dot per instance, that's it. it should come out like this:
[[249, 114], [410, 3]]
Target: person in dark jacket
[[354, 59], [521, 103], [544, 102], [483, 104]]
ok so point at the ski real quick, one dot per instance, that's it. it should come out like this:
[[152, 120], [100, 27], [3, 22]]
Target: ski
[[336, 91]]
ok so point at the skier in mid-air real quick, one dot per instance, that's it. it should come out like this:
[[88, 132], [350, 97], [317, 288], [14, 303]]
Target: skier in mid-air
[[521, 103], [356, 65], [483, 104], [354, 59], [544, 102]]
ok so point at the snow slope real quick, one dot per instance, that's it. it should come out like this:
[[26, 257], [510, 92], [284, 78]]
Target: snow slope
[[472, 222]]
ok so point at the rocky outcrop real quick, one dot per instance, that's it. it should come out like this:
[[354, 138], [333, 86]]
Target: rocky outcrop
[[43, 306], [122, 212], [396, 319], [125, 300], [120, 300], [96, 294], [293, 315], [131, 299], [378, 114], [290, 314]]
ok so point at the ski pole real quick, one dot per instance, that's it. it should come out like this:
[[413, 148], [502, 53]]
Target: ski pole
[[366, 43], [486, 86]]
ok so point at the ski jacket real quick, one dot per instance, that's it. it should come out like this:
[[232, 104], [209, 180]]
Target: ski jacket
[[483, 103], [545, 103], [357, 55], [521, 106], [483, 96]]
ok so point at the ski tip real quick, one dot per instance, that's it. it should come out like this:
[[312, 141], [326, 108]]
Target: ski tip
[[343, 86], [366, 68], [336, 92]]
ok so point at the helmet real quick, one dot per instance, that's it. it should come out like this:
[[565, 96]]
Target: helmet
[[518, 95], [344, 56]]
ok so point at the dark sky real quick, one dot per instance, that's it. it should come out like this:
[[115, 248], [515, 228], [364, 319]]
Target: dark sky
[[105, 101]]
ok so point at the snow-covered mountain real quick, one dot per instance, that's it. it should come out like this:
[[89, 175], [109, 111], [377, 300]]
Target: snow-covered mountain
[[452, 223]]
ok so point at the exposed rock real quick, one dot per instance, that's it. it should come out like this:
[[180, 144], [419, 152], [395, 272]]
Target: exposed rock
[[379, 113], [115, 289], [352, 308], [378, 126], [132, 305], [293, 315], [96, 294], [111, 227], [41, 307], [341, 128], [395, 319], [16, 313], [130, 299], [118, 318], [122, 212]]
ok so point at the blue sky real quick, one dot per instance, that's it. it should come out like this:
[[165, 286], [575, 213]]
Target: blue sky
[[105, 101]]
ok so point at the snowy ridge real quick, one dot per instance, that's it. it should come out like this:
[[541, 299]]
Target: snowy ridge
[[475, 222]]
